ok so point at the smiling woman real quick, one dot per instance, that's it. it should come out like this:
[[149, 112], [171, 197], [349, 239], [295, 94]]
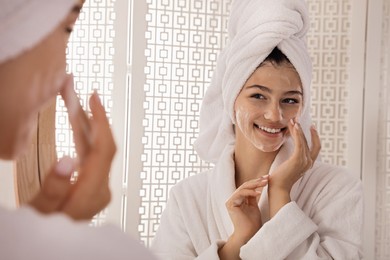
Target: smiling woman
[[268, 197], [34, 36]]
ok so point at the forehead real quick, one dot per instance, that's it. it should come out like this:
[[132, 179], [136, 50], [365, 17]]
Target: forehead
[[275, 76]]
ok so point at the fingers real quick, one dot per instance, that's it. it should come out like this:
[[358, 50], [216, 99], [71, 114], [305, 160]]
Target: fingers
[[102, 134], [249, 192], [77, 118], [298, 136], [55, 188], [252, 184], [301, 147], [104, 147], [96, 148], [97, 109], [91, 192]]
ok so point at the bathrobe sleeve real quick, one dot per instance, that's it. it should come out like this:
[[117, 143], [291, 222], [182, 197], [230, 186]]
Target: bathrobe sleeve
[[330, 230], [182, 234]]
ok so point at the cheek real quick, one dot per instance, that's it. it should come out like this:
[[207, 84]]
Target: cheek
[[17, 136], [55, 64], [242, 117], [292, 112], [51, 80], [245, 114]]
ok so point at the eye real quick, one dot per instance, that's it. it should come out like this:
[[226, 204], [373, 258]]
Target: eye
[[290, 101], [72, 18], [257, 96], [68, 29]]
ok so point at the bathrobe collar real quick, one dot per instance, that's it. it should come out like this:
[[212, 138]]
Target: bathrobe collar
[[222, 185]]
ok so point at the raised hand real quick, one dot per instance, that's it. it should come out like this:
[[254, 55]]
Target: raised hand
[[245, 215], [95, 148], [285, 175]]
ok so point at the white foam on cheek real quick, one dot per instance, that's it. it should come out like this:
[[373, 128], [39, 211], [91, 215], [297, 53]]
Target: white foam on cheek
[[246, 127], [242, 118]]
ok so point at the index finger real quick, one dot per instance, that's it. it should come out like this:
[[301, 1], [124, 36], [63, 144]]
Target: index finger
[[77, 118], [298, 137]]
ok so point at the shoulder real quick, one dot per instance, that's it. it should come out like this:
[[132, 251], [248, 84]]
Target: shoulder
[[333, 180], [188, 194], [192, 184], [333, 173], [33, 233]]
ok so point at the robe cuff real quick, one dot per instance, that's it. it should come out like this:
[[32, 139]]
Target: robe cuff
[[278, 237], [211, 253]]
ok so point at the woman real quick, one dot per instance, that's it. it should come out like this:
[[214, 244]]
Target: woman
[[268, 197], [33, 39]]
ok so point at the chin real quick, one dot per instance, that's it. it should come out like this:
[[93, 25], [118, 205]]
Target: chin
[[16, 150], [269, 148], [21, 142], [11, 151]]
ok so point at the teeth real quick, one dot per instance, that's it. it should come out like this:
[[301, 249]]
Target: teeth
[[270, 130]]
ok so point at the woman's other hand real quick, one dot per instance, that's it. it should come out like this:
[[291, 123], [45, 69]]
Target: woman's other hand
[[95, 148], [245, 214]]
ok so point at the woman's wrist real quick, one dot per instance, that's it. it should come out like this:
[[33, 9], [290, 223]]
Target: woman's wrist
[[278, 197], [231, 249]]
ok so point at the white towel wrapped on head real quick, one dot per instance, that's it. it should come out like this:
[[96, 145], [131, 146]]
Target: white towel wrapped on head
[[24, 23], [255, 28]]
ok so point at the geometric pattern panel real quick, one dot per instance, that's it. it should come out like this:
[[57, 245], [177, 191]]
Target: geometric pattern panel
[[382, 243], [90, 59], [183, 41], [328, 42]]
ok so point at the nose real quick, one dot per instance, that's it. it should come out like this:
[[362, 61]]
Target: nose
[[273, 113]]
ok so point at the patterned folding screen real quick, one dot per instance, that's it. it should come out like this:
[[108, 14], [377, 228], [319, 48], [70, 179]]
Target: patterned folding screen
[[183, 40], [89, 54], [328, 42], [383, 173]]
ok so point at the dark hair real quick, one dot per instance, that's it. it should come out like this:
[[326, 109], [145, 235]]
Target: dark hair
[[276, 57]]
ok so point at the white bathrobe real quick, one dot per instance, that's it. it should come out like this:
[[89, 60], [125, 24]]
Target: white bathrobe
[[323, 220], [27, 234]]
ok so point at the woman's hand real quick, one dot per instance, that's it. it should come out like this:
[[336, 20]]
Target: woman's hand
[[95, 148], [285, 175], [245, 214]]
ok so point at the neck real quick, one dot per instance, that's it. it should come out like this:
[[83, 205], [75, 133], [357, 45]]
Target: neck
[[250, 162]]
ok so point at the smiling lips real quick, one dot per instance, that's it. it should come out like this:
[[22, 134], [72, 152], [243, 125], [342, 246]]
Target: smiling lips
[[270, 130]]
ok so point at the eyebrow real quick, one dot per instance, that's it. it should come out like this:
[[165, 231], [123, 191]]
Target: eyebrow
[[76, 9], [268, 90]]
